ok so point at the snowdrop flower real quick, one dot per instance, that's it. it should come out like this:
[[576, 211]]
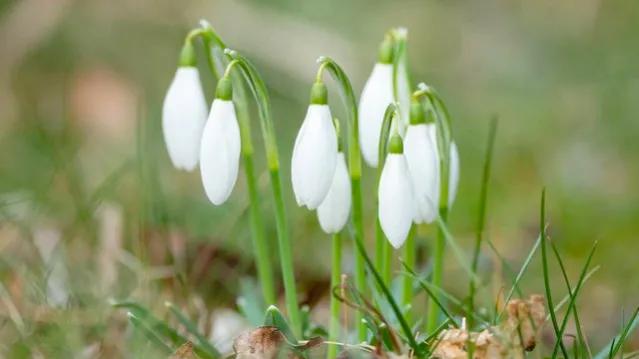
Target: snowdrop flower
[[395, 193], [336, 207], [184, 113], [221, 145], [453, 179], [376, 96], [315, 152], [421, 156]]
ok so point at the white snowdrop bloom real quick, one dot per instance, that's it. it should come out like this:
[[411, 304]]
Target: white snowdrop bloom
[[453, 179], [221, 146], [315, 152], [334, 211], [183, 117], [395, 193], [376, 96], [421, 157]]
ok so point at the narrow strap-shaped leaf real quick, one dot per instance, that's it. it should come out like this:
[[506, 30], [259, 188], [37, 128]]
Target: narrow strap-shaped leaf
[[151, 335], [481, 215], [274, 318], [192, 328], [544, 262]]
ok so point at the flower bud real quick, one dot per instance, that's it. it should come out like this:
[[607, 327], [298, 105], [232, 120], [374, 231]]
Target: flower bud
[[396, 202], [220, 149], [184, 113], [315, 152]]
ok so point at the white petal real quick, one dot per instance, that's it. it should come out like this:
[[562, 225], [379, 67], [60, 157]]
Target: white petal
[[421, 157], [453, 179], [220, 152], [334, 210], [314, 157], [396, 206], [376, 96], [183, 116], [454, 173]]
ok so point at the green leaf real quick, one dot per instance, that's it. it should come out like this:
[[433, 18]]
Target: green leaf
[[617, 342], [481, 216], [274, 318], [150, 334], [544, 261], [192, 328]]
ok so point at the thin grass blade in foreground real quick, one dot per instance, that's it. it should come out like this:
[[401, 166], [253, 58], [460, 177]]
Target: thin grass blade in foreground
[[481, 215], [544, 260]]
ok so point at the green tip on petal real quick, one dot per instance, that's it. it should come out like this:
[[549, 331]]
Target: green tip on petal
[[417, 115], [396, 145], [319, 94], [224, 90], [386, 51], [187, 55]]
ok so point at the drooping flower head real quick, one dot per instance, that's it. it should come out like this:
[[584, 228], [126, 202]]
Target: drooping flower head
[[315, 151], [220, 146], [422, 160], [376, 96], [184, 112], [396, 203]]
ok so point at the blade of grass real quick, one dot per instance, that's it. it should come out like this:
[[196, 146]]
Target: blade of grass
[[457, 251], [506, 266], [617, 342], [566, 298], [274, 318], [192, 328], [481, 216], [544, 262], [581, 341], [520, 275], [432, 296], [149, 334], [157, 325], [573, 297], [389, 296]]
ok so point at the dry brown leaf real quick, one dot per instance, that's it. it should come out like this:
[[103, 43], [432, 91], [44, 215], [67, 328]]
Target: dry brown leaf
[[261, 343], [185, 351]]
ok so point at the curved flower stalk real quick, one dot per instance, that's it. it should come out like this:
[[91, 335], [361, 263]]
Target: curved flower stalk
[[376, 96], [260, 93], [354, 171], [220, 150], [315, 152], [217, 63], [184, 112], [396, 204]]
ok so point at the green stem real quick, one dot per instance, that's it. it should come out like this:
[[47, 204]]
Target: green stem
[[336, 272], [443, 143], [407, 283], [387, 265], [258, 239], [383, 249], [260, 93], [355, 172]]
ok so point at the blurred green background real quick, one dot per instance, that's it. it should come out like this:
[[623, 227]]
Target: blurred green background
[[83, 163]]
